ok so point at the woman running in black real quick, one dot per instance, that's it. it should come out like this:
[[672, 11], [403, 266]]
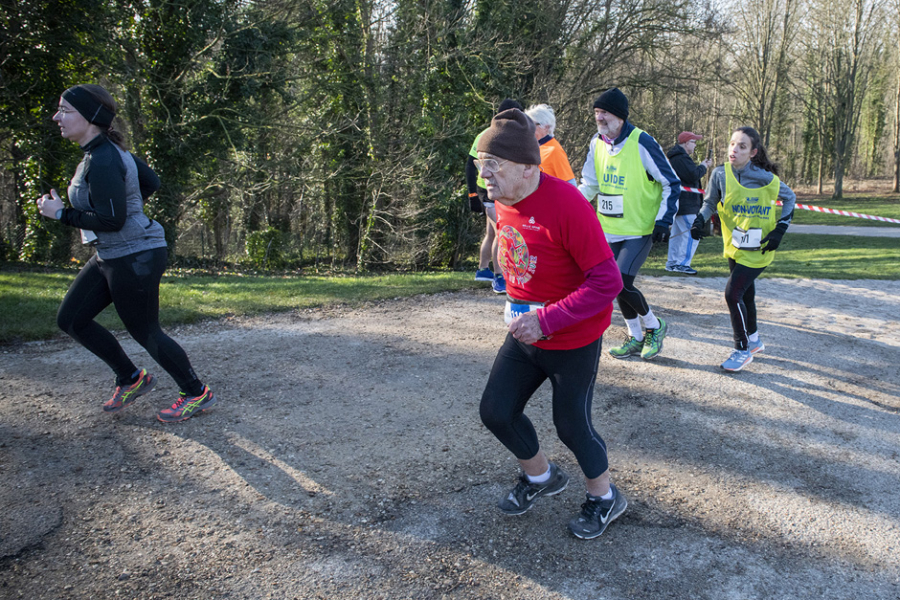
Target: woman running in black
[[107, 196], [744, 192]]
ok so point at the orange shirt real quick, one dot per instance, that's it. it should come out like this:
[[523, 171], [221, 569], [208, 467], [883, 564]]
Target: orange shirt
[[554, 161]]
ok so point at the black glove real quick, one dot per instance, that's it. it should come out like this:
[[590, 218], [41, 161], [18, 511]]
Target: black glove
[[475, 204], [773, 240], [660, 233], [698, 229]]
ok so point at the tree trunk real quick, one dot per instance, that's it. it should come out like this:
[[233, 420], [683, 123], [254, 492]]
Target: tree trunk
[[896, 187]]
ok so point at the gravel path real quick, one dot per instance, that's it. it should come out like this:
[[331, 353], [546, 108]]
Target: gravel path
[[346, 460]]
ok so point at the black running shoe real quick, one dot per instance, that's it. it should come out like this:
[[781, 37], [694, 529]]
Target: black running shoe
[[521, 498], [597, 514]]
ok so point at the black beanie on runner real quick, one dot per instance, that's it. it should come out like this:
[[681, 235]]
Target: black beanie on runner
[[508, 104], [613, 101]]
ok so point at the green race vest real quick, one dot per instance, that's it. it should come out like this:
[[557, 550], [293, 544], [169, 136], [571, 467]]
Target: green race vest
[[629, 200], [747, 216], [474, 152]]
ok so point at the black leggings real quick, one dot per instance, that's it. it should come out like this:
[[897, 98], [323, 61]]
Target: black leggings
[[518, 372], [131, 283], [630, 256], [740, 295]]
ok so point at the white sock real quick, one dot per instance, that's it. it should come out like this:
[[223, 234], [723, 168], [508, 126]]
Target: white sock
[[607, 496], [649, 320], [754, 337], [540, 478], [634, 329]]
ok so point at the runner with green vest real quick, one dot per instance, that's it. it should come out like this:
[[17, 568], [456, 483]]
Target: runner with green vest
[[744, 192], [637, 196], [479, 202]]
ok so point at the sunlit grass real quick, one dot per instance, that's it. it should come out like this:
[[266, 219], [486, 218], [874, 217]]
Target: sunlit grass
[[29, 299], [801, 256]]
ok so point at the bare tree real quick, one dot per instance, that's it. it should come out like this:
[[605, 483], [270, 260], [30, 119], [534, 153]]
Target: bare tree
[[847, 34], [896, 28], [764, 43]]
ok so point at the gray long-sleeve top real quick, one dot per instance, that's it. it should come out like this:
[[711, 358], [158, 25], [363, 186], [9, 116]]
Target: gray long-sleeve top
[[751, 176]]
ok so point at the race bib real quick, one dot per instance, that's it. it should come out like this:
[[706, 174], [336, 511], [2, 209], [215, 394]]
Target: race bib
[[514, 309], [611, 206], [746, 240], [87, 236]]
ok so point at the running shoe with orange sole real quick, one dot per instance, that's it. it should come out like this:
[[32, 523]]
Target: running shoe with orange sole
[[125, 395], [187, 406]]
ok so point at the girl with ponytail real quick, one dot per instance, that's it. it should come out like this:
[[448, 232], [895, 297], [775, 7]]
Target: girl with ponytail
[[744, 192]]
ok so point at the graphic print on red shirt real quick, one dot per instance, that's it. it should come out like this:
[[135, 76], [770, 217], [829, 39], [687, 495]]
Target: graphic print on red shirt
[[546, 243]]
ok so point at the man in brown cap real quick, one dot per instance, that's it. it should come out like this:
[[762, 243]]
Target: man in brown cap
[[561, 279]]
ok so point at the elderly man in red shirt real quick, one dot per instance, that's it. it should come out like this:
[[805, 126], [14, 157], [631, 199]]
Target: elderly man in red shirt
[[561, 280]]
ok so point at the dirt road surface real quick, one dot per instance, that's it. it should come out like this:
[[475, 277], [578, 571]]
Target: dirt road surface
[[346, 460]]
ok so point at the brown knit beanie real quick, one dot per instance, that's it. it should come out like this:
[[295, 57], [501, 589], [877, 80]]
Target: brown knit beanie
[[511, 136]]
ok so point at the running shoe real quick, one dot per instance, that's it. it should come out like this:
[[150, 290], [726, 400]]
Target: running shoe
[[125, 395], [653, 340], [522, 497], [484, 275], [738, 360], [672, 268], [687, 270], [756, 346], [597, 514], [499, 285], [631, 347], [187, 406]]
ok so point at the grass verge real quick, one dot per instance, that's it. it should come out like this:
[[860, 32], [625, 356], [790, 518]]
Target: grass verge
[[801, 257], [29, 299]]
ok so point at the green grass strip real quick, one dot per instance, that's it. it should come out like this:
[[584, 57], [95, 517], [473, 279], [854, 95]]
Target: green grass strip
[[29, 299]]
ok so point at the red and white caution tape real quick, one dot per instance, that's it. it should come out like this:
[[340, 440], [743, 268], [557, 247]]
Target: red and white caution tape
[[843, 213], [821, 209]]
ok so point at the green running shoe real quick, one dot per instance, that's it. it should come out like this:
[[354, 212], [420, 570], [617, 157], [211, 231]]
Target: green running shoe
[[653, 340], [631, 347]]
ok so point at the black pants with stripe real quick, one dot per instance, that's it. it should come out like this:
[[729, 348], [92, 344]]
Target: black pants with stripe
[[518, 371]]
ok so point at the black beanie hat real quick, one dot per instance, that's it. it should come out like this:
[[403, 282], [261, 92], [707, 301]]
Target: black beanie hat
[[511, 136], [613, 101], [88, 106], [508, 104]]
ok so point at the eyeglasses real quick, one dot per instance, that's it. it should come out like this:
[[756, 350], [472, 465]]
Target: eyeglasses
[[489, 164]]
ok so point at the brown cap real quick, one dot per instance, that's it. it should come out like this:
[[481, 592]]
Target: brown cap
[[685, 136], [511, 136]]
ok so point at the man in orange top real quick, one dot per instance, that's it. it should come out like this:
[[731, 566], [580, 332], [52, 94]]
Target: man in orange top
[[554, 161]]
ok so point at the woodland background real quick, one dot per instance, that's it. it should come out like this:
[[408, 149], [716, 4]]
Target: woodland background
[[333, 133]]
